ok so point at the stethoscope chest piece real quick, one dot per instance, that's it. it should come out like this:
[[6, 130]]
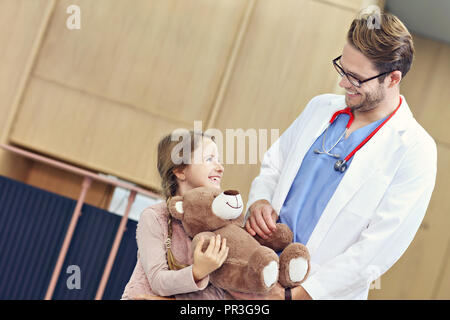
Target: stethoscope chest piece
[[340, 165]]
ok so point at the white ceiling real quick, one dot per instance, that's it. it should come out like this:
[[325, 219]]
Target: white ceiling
[[429, 18]]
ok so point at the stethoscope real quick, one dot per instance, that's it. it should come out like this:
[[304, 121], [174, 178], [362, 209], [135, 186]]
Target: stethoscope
[[341, 165]]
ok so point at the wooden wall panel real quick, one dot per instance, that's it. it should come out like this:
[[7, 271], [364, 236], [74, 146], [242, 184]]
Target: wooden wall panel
[[166, 57], [439, 210], [282, 64], [422, 271], [352, 5], [69, 185], [90, 131], [22, 27], [21, 22], [19, 25], [427, 87], [442, 289]]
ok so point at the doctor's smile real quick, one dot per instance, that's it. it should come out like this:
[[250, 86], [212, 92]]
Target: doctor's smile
[[351, 94]]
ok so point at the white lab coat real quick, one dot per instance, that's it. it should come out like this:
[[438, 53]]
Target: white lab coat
[[377, 208]]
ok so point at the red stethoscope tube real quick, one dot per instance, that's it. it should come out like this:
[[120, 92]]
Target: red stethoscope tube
[[341, 165]]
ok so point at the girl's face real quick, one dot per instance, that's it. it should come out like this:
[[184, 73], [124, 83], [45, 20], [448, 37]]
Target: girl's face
[[205, 170]]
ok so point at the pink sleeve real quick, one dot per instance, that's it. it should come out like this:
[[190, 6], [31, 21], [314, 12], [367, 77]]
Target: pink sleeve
[[152, 253]]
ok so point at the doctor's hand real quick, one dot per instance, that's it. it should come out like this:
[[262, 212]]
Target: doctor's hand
[[262, 220]]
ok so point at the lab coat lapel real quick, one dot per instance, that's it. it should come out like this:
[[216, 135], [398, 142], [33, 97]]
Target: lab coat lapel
[[365, 163], [304, 141]]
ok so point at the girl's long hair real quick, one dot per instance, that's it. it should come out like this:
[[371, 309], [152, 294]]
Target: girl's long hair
[[166, 167]]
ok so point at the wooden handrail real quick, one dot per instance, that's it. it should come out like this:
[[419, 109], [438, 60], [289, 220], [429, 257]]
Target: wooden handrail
[[79, 171]]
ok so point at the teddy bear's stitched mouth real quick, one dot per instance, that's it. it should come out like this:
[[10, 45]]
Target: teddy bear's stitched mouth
[[232, 206]]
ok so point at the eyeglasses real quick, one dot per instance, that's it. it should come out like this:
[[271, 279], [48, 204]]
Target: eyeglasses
[[352, 79]]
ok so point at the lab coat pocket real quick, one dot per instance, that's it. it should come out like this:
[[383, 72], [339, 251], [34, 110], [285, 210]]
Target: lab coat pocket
[[365, 201], [346, 230]]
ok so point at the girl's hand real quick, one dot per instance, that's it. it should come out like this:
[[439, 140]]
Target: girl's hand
[[210, 260]]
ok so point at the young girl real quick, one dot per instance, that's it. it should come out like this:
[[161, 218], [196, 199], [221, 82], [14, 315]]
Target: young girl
[[165, 266]]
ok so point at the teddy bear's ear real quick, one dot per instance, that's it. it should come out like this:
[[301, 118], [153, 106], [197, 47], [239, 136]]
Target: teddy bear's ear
[[175, 207]]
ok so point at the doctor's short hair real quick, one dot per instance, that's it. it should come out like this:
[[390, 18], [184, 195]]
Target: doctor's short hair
[[382, 38]]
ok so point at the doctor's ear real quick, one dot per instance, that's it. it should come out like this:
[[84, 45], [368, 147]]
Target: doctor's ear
[[394, 78]]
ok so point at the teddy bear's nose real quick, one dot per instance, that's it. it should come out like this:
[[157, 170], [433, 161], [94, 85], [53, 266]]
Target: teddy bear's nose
[[231, 192]]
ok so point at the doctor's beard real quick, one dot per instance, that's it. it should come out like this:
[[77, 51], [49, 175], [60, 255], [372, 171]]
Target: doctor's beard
[[370, 101]]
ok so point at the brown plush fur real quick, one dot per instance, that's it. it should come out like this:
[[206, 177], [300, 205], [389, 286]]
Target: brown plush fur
[[248, 256]]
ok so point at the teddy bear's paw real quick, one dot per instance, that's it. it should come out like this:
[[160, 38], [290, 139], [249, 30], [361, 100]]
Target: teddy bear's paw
[[298, 268], [270, 273], [294, 265]]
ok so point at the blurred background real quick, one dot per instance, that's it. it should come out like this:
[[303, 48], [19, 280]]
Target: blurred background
[[100, 95]]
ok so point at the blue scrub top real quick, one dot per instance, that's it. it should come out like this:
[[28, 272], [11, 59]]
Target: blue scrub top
[[316, 180]]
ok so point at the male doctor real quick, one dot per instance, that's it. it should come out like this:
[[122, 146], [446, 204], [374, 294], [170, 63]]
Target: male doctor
[[354, 190]]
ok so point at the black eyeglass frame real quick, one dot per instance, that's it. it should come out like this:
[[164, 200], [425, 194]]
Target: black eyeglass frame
[[359, 82]]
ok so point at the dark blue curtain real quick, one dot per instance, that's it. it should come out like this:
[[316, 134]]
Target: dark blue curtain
[[33, 223]]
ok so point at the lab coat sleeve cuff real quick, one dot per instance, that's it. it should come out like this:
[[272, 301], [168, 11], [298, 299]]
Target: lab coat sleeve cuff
[[252, 201], [315, 289]]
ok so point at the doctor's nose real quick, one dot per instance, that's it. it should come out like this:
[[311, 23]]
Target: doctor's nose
[[344, 83]]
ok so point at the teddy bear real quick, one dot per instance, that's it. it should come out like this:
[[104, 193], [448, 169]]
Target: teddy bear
[[252, 265]]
